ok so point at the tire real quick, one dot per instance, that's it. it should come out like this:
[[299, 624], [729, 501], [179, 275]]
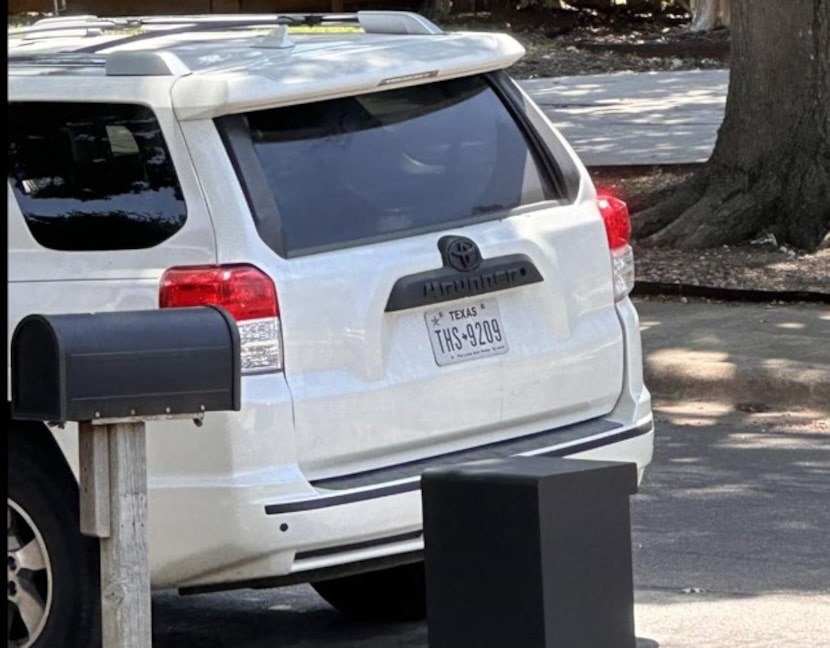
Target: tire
[[53, 569], [397, 593]]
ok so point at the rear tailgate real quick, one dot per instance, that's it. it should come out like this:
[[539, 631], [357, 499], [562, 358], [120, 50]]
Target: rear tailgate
[[367, 387], [439, 292]]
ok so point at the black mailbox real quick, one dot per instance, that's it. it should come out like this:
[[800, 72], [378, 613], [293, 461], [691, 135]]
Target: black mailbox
[[83, 367]]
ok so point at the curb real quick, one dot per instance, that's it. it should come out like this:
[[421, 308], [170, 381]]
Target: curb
[[656, 288], [685, 376], [758, 355]]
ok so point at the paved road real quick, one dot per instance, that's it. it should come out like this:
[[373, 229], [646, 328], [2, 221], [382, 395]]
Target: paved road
[[628, 118], [730, 549], [730, 530]]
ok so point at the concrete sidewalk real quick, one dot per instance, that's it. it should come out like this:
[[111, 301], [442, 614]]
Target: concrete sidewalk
[[753, 354], [632, 118]]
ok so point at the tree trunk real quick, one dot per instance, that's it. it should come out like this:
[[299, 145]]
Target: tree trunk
[[710, 14], [770, 170]]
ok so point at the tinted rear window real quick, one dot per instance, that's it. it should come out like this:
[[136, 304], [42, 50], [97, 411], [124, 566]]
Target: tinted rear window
[[390, 163], [93, 176]]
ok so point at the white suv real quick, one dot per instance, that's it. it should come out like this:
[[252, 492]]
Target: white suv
[[420, 267]]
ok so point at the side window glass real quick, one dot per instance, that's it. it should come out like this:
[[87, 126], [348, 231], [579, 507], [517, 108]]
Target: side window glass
[[93, 176]]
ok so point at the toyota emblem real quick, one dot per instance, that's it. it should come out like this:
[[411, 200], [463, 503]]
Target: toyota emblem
[[463, 254]]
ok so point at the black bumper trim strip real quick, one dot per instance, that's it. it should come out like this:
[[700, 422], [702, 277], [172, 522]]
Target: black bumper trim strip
[[493, 451], [508, 448], [325, 501], [312, 575], [356, 546]]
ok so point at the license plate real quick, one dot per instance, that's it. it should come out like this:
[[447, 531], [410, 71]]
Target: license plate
[[468, 332]]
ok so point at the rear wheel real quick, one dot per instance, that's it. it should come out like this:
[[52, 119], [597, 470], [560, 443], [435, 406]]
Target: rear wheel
[[52, 569], [398, 593]]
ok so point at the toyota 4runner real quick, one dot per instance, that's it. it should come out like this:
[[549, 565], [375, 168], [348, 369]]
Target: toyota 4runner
[[421, 271]]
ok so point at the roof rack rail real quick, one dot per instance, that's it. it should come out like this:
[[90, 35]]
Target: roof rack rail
[[58, 27], [189, 27], [396, 22], [373, 22], [144, 63], [62, 19]]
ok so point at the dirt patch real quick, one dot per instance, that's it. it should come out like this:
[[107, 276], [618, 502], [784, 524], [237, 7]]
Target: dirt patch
[[759, 265], [641, 187], [570, 43]]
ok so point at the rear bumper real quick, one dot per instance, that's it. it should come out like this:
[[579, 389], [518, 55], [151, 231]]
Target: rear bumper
[[373, 519], [266, 525], [579, 439]]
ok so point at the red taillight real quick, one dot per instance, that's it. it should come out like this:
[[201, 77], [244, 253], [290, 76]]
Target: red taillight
[[245, 291], [617, 220]]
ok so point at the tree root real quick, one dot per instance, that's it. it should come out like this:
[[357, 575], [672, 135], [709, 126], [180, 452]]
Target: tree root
[[711, 221], [719, 207], [653, 219]]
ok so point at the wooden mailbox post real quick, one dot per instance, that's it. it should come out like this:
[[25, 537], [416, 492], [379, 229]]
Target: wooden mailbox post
[[111, 372]]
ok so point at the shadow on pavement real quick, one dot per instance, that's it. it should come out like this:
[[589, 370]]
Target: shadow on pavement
[[734, 504], [291, 617]]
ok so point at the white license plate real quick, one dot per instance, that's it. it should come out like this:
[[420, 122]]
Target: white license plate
[[468, 332]]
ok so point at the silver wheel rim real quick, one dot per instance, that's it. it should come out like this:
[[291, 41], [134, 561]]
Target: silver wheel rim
[[30, 578]]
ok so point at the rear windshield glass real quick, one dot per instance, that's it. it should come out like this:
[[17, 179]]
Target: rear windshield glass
[[390, 163]]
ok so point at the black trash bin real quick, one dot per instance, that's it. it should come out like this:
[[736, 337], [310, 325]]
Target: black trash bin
[[529, 552]]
